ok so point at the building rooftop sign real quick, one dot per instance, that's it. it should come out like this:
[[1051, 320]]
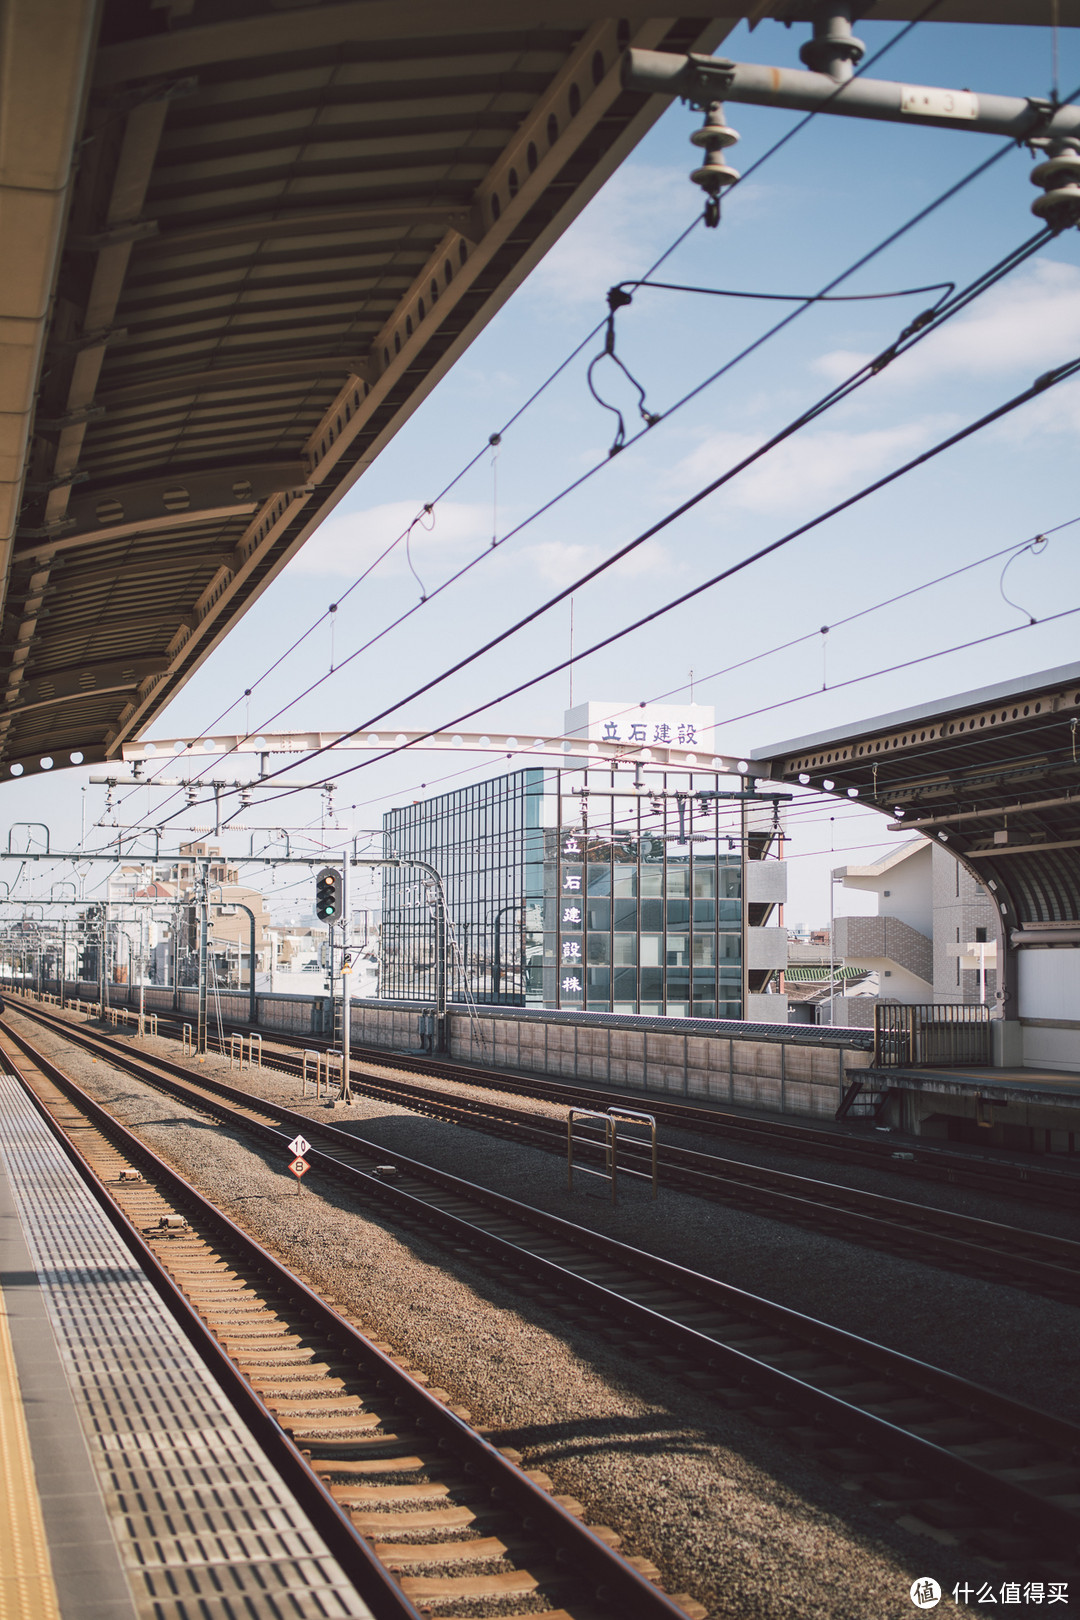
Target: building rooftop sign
[[644, 725]]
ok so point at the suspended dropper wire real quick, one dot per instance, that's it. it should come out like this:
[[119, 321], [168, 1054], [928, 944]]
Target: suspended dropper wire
[[1041, 385], [943, 310], [542, 388]]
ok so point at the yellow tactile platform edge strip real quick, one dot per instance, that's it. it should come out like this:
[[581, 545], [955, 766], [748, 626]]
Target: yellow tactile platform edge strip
[[26, 1582]]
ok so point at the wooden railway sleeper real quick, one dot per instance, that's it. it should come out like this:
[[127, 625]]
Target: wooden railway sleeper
[[901, 1226], [656, 1604], [897, 1441], [1054, 1186]]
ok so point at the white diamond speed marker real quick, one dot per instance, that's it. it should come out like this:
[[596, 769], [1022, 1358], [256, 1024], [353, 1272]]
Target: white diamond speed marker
[[298, 1147], [299, 1167]]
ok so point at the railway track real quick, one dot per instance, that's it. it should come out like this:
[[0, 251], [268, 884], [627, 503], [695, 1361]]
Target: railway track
[[943, 1452], [422, 1512], [1038, 1262], [917, 1160]]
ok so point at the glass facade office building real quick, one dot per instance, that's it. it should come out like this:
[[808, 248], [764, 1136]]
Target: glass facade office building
[[574, 889]]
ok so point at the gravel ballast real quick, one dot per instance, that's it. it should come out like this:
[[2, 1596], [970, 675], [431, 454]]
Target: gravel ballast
[[742, 1520]]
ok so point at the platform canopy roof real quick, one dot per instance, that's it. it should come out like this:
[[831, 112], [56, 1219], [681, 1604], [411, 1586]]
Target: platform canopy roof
[[994, 775], [240, 241]]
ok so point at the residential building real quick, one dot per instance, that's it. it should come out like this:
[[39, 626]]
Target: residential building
[[167, 933], [934, 938]]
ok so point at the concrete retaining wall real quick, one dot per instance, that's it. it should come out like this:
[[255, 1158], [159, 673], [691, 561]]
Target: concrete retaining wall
[[789, 1068]]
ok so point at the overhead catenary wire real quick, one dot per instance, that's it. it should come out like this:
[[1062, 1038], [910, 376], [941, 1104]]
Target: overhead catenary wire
[[916, 332], [906, 663], [1013, 551], [876, 56], [815, 800], [428, 596], [1041, 385]]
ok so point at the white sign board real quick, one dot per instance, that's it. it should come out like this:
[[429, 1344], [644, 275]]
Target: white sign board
[[298, 1147], [656, 725]]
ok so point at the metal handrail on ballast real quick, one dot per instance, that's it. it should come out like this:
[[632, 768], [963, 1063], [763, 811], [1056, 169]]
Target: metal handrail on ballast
[[634, 1117], [608, 1125]]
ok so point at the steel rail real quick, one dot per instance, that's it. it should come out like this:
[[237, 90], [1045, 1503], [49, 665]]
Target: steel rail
[[1036, 1261], [1031, 1182], [690, 1314], [611, 1579], [1009, 1178]]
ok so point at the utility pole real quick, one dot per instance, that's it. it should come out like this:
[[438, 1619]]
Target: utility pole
[[141, 969], [832, 949], [330, 977], [346, 985], [176, 958], [204, 931], [744, 906]]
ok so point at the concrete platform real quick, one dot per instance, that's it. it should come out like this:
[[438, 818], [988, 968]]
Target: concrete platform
[[1054, 1087], [154, 1501], [1032, 1109]]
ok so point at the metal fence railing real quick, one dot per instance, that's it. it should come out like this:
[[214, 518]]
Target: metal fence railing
[[933, 1037]]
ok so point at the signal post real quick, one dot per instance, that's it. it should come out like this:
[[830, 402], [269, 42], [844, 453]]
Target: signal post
[[331, 907]]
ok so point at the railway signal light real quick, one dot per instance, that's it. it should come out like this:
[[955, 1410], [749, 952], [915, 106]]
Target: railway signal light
[[328, 895]]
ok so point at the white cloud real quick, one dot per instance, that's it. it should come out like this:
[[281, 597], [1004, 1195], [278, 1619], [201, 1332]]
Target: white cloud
[[559, 562], [813, 467], [349, 542], [640, 211], [635, 216], [1028, 322]]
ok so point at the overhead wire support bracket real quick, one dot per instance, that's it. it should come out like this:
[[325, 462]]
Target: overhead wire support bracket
[[702, 80], [706, 81]]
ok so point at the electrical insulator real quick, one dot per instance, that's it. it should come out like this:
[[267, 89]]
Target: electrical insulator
[[834, 49], [714, 174], [245, 797], [192, 791], [1059, 177]]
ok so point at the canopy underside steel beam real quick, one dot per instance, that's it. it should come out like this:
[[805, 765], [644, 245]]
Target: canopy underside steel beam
[[240, 242], [274, 228]]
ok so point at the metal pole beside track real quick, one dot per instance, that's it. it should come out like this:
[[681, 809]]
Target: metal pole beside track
[[346, 986], [204, 931]]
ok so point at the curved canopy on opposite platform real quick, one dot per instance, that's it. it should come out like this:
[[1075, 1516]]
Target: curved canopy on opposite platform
[[993, 775]]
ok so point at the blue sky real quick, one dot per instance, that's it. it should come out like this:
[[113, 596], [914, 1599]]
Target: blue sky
[[830, 195]]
